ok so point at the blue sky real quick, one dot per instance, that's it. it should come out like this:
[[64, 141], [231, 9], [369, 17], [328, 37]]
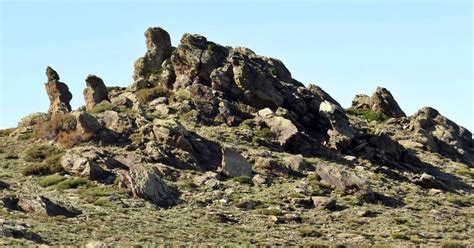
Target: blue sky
[[420, 50]]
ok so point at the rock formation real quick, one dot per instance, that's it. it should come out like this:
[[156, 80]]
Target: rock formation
[[381, 101], [158, 44], [58, 93], [95, 92]]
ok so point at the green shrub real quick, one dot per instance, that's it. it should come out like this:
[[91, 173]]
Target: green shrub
[[272, 211], [183, 94], [39, 153], [144, 96], [272, 71], [368, 114], [102, 202], [73, 183], [45, 159], [308, 231], [51, 180], [264, 133], [36, 169], [243, 179], [102, 107], [465, 172]]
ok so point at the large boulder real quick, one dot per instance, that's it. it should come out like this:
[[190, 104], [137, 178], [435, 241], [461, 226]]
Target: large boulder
[[381, 101], [283, 128], [58, 93], [158, 44], [143, 182], [95, 92], [345, 180], [340, 132], [234, 164]]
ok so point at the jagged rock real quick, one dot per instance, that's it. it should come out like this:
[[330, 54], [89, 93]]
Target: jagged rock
[[90, 163], [202, 179], [139, 84], [144, 182], [344, 180], [234, 164], [260, 180], [58, 93], [11, 230], [195, 58], [4, 185], [439, 134], [158, 43], [381, 101], [95, 92], [298, 163]]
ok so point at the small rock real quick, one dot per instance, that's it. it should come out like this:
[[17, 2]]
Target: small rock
[[234, 164], [324, 202], [298, 163]]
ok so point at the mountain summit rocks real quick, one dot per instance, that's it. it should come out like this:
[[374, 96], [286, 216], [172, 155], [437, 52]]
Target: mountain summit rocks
[[95, 92], [58, 93], [381, 101]]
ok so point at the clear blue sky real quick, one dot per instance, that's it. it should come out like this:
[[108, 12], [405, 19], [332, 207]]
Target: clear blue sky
[[420, 50]]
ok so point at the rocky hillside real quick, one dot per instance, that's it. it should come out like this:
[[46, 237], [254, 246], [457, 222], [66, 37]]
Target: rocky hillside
[[218, 145]]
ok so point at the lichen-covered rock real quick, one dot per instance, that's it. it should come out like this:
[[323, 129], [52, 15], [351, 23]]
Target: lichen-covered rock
[[158, 43], [58, 93], [344, 179], [341, 132], [95, 92], [234, 164], [18, 231], [283, 128], [298, 163]]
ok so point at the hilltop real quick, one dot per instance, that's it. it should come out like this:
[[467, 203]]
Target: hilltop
[[217, 145]]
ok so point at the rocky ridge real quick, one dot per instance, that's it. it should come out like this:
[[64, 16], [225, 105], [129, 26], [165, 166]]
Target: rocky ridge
[[202, 115]]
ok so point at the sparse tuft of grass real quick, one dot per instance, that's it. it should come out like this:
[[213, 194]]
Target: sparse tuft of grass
[[243, 179], [264, 133], [144, 96], [465, 172], [399, 236], [45, 159], [452, 244]]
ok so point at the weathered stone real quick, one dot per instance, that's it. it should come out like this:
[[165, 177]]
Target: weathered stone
[[11, 230], [234, 164], [283, 128], [144, 182], [95, 92], [429, 181], [341, 132], [58, 93], [202, 179], [54, 208], [270, 166], [32, 119], [158, 43]]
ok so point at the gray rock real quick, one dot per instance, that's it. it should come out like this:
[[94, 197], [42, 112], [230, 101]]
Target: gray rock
[[234, 164], [90, 163], [58, 93], [298, 163]]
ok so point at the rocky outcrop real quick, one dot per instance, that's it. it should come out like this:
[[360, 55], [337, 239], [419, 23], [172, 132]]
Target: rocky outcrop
[[344, 180], [441, 135], [282, 128], [234, 164], [158, 44], [381, 101], [95, 92], [58, 93]]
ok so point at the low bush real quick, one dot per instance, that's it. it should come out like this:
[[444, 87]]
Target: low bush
[[73, 183], [144, 96], [243, 179], [399, 236], [308, 231], [45, 160], [368, 114], [51, 180], [263, 133], [62, 129], [452, 244]]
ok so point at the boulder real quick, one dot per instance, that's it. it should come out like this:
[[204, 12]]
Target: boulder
[[381, 101], [145, 183], [58, 93], [95, 92], [234, 164], [430, 182], [344, 179], [324, 202], [283, 128], [158, 44], [340, 132], [270, 166], [18, 231], [55, 208]]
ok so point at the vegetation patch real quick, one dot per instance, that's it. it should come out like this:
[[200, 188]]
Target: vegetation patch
[[102, 107], [51, 180], [368, 114], [62, 129], [399, 236], [144, 96], [45, 160], [308, 231], [73, 183], [243, 179]]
